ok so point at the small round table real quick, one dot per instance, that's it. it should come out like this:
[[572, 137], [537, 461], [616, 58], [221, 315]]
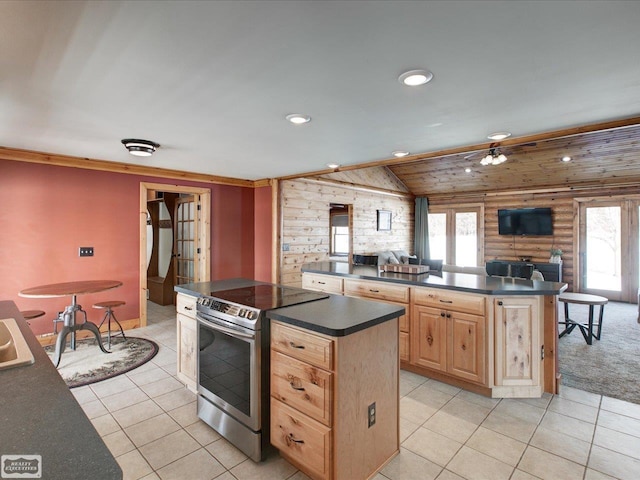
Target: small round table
[[585, 328], [72, 289]]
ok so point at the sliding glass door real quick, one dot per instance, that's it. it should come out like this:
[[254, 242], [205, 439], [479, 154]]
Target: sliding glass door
[[609, 248]]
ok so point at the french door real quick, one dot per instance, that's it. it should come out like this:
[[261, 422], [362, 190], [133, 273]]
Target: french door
[[185, 240], [608, 246], [456, 234]]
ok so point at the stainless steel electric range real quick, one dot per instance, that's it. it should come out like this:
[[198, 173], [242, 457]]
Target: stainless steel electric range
[[233, 361]]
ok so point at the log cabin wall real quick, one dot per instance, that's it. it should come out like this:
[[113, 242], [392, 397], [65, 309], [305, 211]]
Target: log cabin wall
[[507, 247], [305, 223]]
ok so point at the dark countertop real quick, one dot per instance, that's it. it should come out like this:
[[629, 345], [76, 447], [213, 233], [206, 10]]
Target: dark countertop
[[40, 416], [462, 282], [336, 315]]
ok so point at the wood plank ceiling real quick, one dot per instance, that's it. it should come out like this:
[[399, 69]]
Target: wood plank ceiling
[[599, 159], [602, 158]]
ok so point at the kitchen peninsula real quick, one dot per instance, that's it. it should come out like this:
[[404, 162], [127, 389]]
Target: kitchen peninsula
[[495, 336]]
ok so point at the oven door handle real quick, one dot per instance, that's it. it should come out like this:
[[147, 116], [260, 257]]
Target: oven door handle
[[220, 328]]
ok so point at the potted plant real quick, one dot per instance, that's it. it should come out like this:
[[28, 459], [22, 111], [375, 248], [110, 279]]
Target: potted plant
[[555, 255]]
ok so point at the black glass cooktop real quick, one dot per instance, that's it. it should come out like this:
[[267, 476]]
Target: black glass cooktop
[[267, 297]]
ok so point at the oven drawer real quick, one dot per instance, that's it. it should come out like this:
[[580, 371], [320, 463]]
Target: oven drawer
[[302, 345], [306, 441], [186, 305], [302, 386]]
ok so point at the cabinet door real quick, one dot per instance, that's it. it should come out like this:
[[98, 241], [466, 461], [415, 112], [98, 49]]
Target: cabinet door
[[517, 349], [428, 337], [187, 351], [466, 346], [404, 346]]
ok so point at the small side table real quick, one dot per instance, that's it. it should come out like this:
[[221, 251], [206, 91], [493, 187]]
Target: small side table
[[587, 329]]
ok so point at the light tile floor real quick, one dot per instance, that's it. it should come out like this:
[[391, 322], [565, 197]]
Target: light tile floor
[[148, 420]]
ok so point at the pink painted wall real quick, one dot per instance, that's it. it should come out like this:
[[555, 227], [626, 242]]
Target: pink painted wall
[[263, 242], [47, 212]]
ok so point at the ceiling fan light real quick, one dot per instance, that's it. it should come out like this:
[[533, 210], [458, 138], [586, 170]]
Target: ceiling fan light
[[140, 148], [502, 158]]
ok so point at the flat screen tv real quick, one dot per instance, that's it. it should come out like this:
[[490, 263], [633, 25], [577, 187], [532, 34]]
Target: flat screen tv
[[525, 221]]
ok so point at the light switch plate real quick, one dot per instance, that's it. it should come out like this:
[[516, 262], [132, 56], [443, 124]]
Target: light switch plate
[[86, 251]]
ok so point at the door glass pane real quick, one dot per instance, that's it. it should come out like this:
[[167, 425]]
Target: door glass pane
[[438, 235], [466, 239], [340, 240], [604, 253]]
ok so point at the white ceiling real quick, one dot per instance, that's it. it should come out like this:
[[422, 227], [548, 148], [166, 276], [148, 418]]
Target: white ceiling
[[212, 81]]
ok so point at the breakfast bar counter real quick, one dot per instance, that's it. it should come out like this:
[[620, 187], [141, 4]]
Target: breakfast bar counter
[[42, 423]]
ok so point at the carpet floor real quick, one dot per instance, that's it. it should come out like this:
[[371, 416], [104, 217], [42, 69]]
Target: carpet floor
[[611, 366]]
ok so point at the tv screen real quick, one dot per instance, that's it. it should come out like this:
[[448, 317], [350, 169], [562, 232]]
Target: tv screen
[[525, 221]]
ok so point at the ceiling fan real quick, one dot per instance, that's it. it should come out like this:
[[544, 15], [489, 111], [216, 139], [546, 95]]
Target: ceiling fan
[[496, 154]]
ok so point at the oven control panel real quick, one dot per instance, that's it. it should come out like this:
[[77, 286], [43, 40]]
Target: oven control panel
[[208, 304]]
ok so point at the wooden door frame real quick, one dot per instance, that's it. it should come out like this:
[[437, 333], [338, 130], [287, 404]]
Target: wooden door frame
[[204, 235], [630, 239]]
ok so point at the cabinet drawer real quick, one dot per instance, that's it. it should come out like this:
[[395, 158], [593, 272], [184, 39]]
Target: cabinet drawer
[[302, 345], [186, 305], [301, 438], [302, 386], [322, 283], [460, 302], [376, 290]]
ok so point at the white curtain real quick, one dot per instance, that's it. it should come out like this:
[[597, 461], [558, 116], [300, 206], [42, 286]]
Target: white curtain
[[421, 235]]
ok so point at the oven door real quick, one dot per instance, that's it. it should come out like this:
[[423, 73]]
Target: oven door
[[229, 368]]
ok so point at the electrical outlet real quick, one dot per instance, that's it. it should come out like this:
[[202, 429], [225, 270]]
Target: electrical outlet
[[86, 251], [372, 414], [285, 247]]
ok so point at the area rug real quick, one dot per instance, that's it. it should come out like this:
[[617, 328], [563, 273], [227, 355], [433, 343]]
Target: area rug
[[88, 364], [611, 366]]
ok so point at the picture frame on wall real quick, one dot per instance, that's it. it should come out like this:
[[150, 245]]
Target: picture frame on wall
[[384, 220]]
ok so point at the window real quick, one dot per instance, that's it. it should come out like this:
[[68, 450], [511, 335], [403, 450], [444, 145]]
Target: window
[[456, 234], [340, 236], [339, 241]]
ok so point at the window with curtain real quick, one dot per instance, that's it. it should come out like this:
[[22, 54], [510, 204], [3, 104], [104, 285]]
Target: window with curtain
[[456, 234]]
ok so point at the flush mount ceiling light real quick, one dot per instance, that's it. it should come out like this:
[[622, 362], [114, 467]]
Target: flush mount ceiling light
[[399, 153], [566, 159], [494, 157], [333, 165], [499, 135], [298, 119], [140, 148], [414, 78]]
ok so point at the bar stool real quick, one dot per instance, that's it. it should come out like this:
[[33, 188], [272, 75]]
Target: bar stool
[[31, 314], [108, 315]]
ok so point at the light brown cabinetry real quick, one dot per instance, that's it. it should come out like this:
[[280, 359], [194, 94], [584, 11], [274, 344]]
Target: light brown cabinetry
[[321, 388], [445, 337], [187, 339], [389, 293], [518, 347], [322, 283]]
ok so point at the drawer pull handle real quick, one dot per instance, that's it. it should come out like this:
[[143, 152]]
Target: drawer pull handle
[[188, 308], [442, 314], [300, 389], [430, 340], [290, 438], [293, 345], [322, 283], [446, 301], [374, 291]]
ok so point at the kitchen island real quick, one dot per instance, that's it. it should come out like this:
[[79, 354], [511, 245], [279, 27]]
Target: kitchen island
[[496, 336], [330, 366], [42, 422]]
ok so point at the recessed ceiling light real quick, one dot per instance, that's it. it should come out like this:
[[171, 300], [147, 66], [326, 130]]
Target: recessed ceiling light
[[400, 153], [140, 148], [499, 136], [468, 170], [566, 159], [414, 78], [298, 119], [333, 165]]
